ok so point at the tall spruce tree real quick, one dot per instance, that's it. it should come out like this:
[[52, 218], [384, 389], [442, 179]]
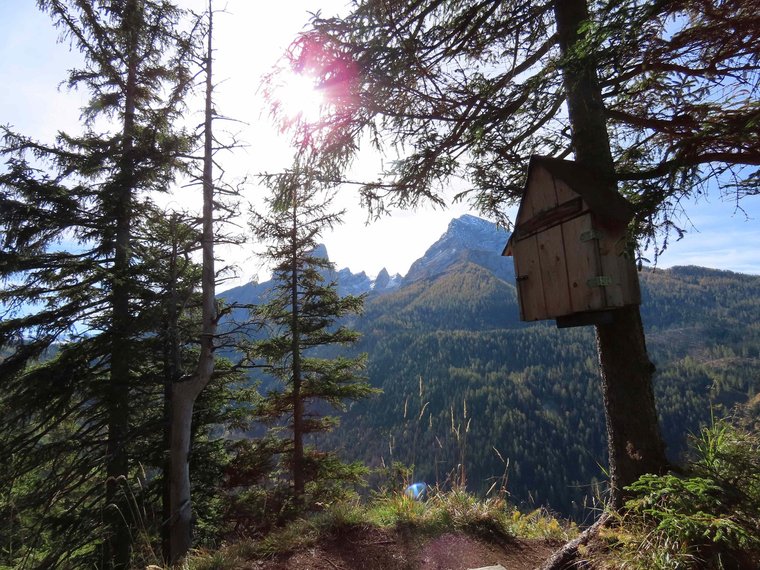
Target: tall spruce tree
[[305, 321], [470, 89], [71, 272]]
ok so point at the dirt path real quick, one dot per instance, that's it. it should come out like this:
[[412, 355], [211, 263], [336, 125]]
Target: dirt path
[[373, 549]]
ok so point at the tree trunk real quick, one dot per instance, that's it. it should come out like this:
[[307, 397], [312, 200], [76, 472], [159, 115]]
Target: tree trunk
[[633, 432], [634, 441], [185, 393], [166, 505], [172, 373], [299, 483], [118, 543]]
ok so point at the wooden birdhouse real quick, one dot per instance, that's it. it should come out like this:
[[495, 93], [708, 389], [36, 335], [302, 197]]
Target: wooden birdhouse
[[569, 247]]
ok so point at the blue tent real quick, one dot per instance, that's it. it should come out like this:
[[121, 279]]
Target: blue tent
[[417, 491]]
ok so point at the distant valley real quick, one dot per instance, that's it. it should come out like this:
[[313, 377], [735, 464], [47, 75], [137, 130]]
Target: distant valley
[[466, 385]]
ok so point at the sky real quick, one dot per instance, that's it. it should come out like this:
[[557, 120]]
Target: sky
[[249, 39]]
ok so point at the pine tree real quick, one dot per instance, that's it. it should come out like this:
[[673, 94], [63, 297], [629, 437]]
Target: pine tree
[[71, 268], [305, 320]]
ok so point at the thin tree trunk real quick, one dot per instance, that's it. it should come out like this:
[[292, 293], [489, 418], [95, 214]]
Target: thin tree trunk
[[172, 372], [299, 483], [185, 393], [634, 441], [118, 544], [566, 556], [166, 505]]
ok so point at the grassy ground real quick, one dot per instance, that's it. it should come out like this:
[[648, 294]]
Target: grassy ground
[[490, 521]]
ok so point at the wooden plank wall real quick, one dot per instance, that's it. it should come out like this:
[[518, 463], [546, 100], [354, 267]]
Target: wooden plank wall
[[554, 266], [530, 287], [625, 281], [583, 263]]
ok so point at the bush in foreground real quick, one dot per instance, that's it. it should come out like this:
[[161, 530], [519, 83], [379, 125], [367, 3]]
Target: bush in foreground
[[707, 517]]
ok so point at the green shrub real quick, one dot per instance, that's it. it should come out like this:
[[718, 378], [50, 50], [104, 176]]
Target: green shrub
[[711, 514]]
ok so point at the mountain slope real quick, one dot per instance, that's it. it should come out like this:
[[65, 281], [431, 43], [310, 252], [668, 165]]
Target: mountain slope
[[466, 238], [464, 295], [532, 392], [468, 387]]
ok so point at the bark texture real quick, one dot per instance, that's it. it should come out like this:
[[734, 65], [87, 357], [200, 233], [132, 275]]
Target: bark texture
[[633, 432], [184, 395], [634, 440], [186, 392]]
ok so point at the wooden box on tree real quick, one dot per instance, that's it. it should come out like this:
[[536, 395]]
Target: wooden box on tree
[[570, 247]]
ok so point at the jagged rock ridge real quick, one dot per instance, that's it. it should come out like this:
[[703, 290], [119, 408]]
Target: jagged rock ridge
[[467, 238]]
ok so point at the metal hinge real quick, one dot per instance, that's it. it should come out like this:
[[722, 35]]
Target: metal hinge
[[588, 235], [599, 281]]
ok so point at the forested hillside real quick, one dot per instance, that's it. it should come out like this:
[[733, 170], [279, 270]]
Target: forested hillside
[[465, 382]]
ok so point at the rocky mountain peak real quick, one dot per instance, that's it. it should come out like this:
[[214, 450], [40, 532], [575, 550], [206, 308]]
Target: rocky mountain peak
[[382, 279], [350, 283], [466, 236], [320, 252], [474, 233], [385, 282]]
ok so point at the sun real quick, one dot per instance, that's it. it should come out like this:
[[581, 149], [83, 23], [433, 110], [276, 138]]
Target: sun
[[298, 97]]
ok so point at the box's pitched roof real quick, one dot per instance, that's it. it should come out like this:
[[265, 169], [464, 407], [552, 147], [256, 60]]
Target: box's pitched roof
[[606, 203]]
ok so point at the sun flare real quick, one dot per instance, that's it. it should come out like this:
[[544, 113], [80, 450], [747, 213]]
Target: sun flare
[[299, 97]]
